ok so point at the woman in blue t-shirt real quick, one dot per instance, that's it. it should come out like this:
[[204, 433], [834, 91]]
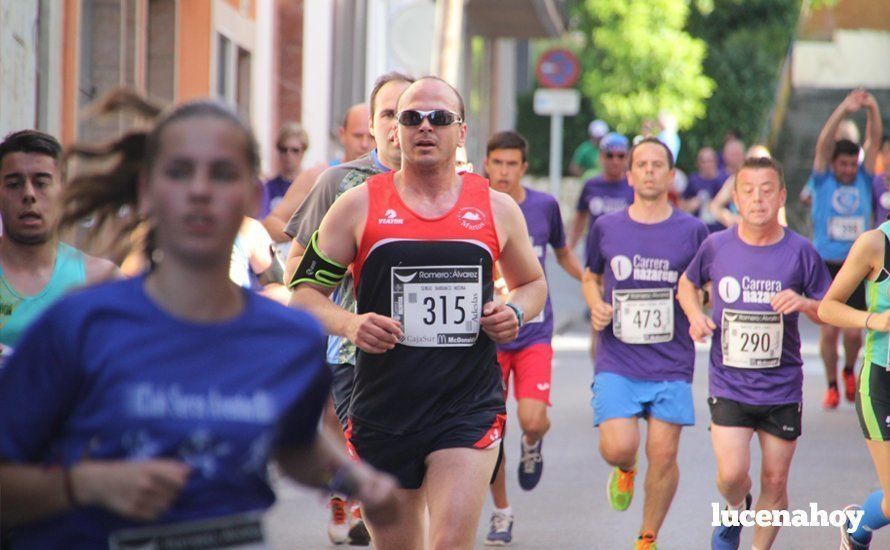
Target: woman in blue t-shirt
[[154, 402]]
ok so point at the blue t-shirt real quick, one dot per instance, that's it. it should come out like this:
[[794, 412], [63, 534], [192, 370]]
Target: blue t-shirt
[[105, 374], [840, 212], [541, 212]]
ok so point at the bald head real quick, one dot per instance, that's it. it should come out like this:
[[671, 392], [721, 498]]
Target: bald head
[[355, 134], [435, 89], [733, 155]]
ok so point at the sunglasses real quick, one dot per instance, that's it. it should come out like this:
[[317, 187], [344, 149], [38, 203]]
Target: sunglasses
[[294, 150], [615, 155], [439, 117]]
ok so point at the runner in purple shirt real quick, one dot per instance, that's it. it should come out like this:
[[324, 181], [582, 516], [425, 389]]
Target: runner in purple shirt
[[703, 186], [529, 356], [606, 193], [644, 357], [763, 276], [881, 185]]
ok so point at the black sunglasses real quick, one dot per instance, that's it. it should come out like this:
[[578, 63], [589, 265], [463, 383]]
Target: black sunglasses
[[439, 117]]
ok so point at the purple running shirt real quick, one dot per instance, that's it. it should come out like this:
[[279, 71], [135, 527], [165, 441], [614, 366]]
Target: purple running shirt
[[755, 353], [648, 338], [545, 227], [599, 196]]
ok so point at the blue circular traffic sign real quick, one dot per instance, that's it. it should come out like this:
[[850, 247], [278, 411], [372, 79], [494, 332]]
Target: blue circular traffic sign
[[558, 68]]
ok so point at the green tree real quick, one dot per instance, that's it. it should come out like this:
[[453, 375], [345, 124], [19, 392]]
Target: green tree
[[746, 43], [639, 61]]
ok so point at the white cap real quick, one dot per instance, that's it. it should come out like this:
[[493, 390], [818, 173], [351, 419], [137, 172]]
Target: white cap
[[597, 129]]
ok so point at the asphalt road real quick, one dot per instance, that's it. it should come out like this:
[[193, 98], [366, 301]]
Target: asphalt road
[[569, 510]]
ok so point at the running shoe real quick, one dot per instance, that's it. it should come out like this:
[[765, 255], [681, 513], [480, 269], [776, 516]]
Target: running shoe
[[727, 537], [620, 488], [531, 464], [358, 531], [847, 541], [849, 385], [338, 527], [501, 531], [646, 541], [832, 399]]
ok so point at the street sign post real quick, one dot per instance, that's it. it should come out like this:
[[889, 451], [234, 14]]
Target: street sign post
[[558, 70]]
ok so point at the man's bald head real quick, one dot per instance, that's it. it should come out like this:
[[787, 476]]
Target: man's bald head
[[430, 83], [355, 134]]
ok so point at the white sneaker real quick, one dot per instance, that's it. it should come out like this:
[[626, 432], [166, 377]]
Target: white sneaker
[[338, 527]]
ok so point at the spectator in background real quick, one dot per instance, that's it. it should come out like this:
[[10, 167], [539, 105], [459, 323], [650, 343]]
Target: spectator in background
[[585, 161], [357, 141], [733, 155], [703, 186], [291, 144]]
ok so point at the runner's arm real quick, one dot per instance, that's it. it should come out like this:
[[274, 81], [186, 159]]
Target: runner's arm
[[592, 288], [578, 225], [700, 323], [567, 259], [719, 205], [337, 239], [873, 132], [861, 263], [521, 270], [294, 255], [826, 140]]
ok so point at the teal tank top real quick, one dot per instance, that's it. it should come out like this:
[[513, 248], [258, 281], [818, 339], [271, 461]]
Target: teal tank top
[[17, 312], [877, 297]]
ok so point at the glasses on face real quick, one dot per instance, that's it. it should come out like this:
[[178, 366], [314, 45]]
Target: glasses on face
[[291, 150], [616, 155], [438, 117]]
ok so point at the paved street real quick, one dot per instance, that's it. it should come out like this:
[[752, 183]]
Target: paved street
[[569, 509]]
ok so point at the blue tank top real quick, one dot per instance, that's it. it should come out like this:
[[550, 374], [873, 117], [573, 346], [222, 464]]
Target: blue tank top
[[18, 311], [840, 212]]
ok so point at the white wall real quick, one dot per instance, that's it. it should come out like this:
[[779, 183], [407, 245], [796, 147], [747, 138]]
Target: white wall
[[854, 58], [18, 65], [261, 82], [318, 28]]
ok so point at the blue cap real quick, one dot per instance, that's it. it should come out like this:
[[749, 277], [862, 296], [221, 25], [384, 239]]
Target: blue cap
[[613, 141]]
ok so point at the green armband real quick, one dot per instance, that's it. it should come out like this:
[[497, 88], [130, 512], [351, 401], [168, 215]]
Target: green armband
[[317, 268]]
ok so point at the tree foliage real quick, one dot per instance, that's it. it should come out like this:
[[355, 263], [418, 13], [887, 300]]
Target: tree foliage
[[640, 61], [747, 41]]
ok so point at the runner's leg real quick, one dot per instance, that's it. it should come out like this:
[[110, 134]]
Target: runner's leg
[[662, 473], [619, 441], [775, 464], [455, 486], [732, 449], [407, 532]]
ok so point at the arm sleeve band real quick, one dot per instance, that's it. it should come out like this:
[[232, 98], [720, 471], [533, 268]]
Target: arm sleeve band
[[317, 268]]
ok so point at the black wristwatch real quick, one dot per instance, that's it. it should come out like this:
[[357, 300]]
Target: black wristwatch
[[519, 315]]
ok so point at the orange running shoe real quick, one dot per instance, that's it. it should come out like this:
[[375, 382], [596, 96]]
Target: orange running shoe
[[646, 541], [832, 399], [849, 385]]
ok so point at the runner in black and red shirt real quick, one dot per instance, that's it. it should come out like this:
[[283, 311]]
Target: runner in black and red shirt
[[428, 403]]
